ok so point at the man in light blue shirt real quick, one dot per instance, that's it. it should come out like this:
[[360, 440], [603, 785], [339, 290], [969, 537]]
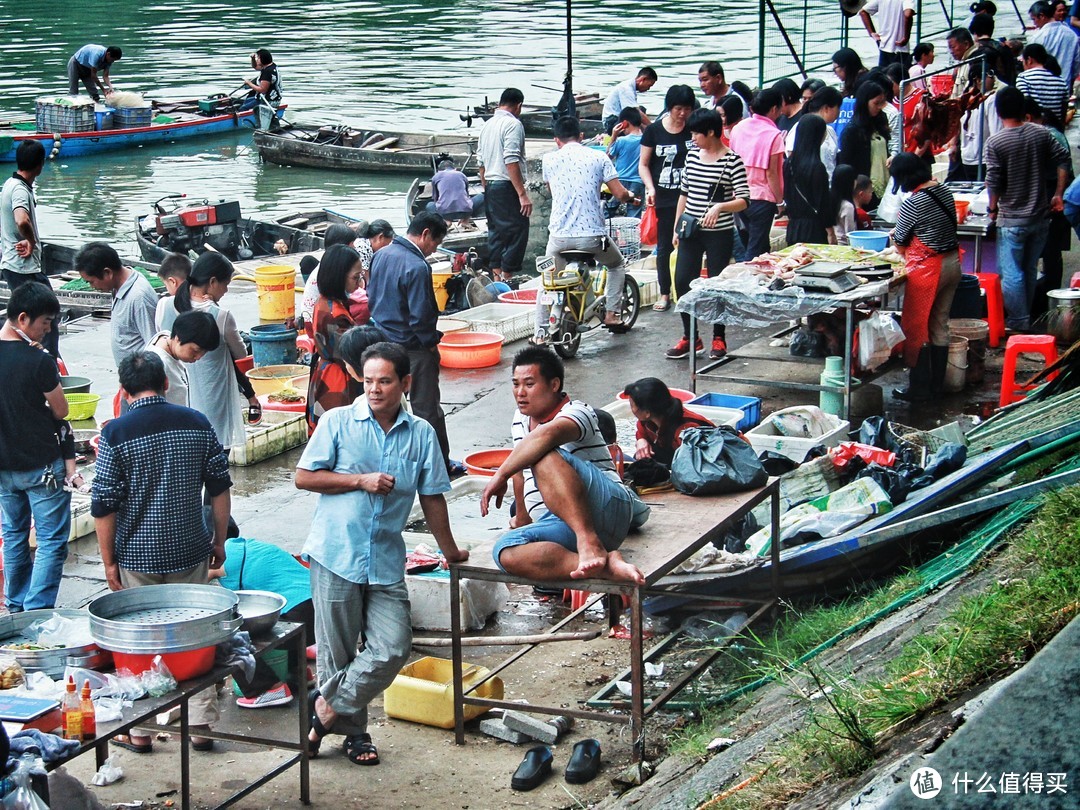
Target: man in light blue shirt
[[367, 461], [84, 66], [625, 94]]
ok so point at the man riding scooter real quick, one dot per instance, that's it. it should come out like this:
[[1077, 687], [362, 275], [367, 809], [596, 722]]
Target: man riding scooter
[[574, 174]]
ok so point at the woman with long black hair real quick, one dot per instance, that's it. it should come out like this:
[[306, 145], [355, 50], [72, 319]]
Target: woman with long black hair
[[810, 208], [661, 419], [848, 67], [864, 143]]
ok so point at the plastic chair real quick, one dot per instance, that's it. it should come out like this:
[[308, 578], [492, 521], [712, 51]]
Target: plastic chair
[[1045, 345], [995, 306], [579, 598]]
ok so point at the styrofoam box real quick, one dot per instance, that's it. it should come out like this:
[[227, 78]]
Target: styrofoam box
[[277, 432], [764, 437], [429, 600], [512, 321]]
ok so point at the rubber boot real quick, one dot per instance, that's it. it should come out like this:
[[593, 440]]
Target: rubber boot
[[939, 364], [918, 389]]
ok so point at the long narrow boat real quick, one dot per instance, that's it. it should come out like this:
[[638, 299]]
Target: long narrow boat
[[347, 149], [537, 119], [172, 121]]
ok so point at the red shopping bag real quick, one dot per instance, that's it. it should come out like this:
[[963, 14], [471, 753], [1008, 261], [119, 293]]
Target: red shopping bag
[[648, 226]]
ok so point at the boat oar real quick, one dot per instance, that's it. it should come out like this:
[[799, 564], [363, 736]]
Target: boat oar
[[433, 147]]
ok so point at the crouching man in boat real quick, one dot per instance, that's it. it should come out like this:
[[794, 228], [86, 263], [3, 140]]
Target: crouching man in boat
[[84, 65], [572, 511]]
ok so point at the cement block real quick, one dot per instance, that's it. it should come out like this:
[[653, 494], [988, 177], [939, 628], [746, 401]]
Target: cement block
[[526, 724], [495, 727]]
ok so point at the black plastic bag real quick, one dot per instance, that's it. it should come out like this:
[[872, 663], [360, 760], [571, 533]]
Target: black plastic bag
[[805, 343], [897, 481], [776, 463], [714, 461], [646, 472]]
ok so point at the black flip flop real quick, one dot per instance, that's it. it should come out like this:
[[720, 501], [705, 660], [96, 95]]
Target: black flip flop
[[356, 745], [533, 770], [316, 725], [617, 328], [128, 745], [584, 762]]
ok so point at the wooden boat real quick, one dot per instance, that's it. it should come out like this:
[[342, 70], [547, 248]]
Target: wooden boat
[[172, 121], [457, 240], [239, 238], [347, 149], [537, 118], [58, 262]]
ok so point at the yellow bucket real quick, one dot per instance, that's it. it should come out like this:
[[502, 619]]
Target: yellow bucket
[[438, 281], [277, 292]]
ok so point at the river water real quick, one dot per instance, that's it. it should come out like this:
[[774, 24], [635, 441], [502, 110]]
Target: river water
[[398, 64]]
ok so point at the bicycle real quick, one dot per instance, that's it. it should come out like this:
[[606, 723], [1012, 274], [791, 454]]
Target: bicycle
[[576, 297]]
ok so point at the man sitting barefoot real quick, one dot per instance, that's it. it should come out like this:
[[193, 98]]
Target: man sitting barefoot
[[572, 511]]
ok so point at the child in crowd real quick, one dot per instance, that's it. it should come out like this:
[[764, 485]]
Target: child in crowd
[[923, 57], [863, 198], [174, 271], [625, 152], [193, 335]]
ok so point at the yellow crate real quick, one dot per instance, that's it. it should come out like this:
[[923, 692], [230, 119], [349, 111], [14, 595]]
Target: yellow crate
[[423, 692]]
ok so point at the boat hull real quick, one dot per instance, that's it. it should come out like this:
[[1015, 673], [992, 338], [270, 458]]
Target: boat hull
[[82, 144]]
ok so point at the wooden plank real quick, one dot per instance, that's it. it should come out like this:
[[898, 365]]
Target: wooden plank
[[383, 144]]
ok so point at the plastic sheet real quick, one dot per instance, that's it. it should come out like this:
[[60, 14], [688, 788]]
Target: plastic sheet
[[742, 300], [158, 680], [59, 631]]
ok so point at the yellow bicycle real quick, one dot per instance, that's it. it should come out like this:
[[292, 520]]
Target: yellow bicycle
[[575, 295]]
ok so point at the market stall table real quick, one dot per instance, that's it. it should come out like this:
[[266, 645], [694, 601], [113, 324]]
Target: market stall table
[[746, 304], [143, 713], [679, 526]]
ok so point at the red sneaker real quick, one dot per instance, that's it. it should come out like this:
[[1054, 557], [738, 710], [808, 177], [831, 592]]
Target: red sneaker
[[682, 349], [719, 349]]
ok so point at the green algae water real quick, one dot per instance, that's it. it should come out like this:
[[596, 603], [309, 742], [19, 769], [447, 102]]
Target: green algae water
[[400, 64]]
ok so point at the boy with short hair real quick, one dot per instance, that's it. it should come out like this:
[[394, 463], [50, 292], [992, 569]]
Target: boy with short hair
[[193, 334], [174, 271], [924, 57], [625, 153]]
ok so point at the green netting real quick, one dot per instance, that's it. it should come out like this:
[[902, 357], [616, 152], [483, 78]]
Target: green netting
[[78, 285]]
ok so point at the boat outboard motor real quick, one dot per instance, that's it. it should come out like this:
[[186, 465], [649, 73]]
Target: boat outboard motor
[[194, 226]]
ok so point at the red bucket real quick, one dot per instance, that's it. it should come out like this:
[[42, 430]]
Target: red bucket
[[942, 84], [183, 665]]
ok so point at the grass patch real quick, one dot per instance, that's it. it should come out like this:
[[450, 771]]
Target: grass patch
[[983, 637]]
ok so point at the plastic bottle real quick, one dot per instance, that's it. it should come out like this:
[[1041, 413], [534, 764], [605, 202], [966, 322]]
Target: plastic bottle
[[71, 712], [89, 716]]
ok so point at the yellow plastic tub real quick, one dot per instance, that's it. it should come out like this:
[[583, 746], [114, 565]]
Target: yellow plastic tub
[[271, 379], [423, 692], [438, 281]]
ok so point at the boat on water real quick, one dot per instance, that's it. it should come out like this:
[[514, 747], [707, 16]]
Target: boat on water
[[345, 148], [75, 296], [458, 239], [162, 122], [537, 119], [195, 226]]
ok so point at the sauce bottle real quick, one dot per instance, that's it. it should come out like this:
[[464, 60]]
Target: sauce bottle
[[89, 718], [71, 712]]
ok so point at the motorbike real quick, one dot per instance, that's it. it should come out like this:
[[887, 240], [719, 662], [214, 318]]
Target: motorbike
[[575, 295]]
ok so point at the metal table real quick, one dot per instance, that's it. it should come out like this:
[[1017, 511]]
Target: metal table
[[144, 712], [710, 303], [679, 526]]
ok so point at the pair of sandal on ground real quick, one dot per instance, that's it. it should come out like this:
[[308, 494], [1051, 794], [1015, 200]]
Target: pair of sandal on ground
[[144, 745], [583, 766], [359, 748]]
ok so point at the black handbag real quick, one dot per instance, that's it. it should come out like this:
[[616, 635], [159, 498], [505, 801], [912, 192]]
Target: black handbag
[[687, 225]]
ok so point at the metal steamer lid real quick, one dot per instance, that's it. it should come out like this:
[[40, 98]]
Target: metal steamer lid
[[164, 618]]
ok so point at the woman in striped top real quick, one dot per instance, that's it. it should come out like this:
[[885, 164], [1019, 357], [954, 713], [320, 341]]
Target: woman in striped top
[[925, 234], [714, 187]]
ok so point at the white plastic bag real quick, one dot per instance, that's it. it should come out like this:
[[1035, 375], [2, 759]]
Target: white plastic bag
[[890, 203], [878, 334]]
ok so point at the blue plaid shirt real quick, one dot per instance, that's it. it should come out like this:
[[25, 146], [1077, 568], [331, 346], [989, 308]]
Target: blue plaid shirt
[[152, 465]]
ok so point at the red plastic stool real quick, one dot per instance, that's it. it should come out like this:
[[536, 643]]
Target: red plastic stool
[[1045, 345], [1075, 282], [579, 598], [995, 306]]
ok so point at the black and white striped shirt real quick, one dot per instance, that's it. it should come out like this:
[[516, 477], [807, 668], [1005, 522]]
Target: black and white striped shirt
[[930, 215], [1049, 91], [705, 184]]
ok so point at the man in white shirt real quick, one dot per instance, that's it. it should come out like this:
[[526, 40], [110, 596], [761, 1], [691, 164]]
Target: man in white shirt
[[574, 174], [894, 38], [501, 153], [713, 84], [625, 94]]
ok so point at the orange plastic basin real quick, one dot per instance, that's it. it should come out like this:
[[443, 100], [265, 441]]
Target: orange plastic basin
[[183, 665], [470, 349], [485, 462], [679, 394], [519, 297]]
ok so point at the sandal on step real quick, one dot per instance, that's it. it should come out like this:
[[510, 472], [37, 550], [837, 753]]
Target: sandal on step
[[127, 742], [662, 306], [316, 725], [359, 745], [70, 485]]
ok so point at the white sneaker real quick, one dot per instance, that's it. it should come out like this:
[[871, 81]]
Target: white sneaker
[[280, 695]]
